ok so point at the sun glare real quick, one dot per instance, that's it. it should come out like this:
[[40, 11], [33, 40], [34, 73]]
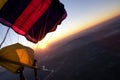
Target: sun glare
[[42, 46]]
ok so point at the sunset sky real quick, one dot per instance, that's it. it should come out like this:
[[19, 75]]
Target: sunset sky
[[81, 15]]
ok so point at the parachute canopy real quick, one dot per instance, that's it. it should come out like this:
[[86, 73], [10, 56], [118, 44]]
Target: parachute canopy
[[14, 56], [32, 18], [2, 2]]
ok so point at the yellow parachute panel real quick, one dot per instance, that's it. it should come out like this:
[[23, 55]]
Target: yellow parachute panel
[[2, 3], [9, 66], [14, 56]]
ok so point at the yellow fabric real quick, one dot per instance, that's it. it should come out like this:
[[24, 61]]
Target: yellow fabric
[[2, 3], [14, 56], [9, 66]]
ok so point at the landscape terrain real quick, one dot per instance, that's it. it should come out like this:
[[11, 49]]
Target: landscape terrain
[[93, 54]]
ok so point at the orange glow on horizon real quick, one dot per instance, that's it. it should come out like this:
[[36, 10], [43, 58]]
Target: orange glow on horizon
[[97, 20], [60, 34], [83, 26]]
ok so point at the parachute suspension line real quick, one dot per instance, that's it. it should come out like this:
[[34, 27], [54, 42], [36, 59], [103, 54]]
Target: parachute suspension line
[[4, 37], [35, 48]]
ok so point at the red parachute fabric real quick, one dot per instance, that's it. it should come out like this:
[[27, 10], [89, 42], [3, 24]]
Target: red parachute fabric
[[11, 10], [30, 15], [33, 18]]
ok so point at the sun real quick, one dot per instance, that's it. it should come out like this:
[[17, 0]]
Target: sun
[[42, 46]]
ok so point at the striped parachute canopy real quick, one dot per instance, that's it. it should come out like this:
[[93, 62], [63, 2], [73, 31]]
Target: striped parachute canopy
[[15, 56], [32, 18]]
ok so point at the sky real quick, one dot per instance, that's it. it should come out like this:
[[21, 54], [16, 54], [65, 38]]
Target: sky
[[82, 14]]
